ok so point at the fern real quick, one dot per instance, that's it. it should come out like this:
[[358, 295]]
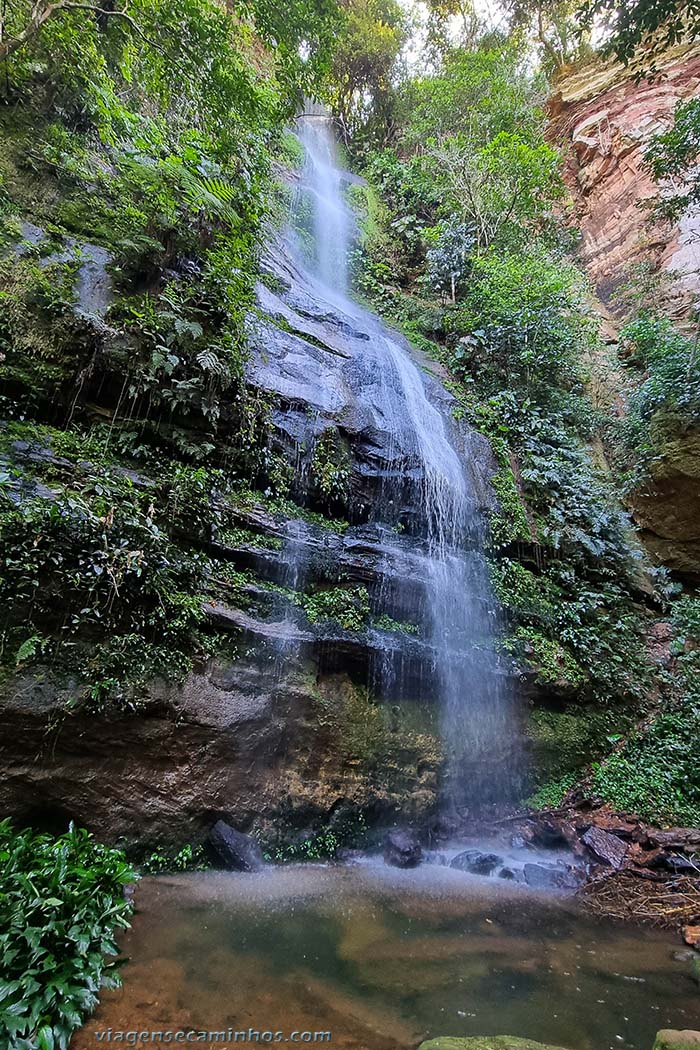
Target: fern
[[211, 196], [208, 361]]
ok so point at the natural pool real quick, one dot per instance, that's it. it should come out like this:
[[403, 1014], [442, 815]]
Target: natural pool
[[385, 958]]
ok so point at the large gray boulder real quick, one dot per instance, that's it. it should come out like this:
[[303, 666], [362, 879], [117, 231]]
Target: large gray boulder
[[236, 851]]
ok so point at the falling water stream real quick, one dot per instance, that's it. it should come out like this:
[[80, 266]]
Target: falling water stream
[[458, 613]]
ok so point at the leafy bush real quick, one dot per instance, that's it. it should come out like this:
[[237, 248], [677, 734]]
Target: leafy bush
[[347, 607], [655, 775], [61, 900], [551, 794], [521, 324], [667, 400]]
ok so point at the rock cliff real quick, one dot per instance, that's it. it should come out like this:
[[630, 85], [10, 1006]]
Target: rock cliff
[[603, 118], [294, 724]]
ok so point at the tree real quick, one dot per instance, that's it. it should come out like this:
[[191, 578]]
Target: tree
[[502, 190], [450, 23], [291, 29], [554, 26], [477, 93], [360, 82], [652, 25], [672, 158], [42, 11]]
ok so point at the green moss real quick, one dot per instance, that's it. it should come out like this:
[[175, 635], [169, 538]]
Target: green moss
[[670, 1040], [565, 741], [348, 607], [552, 663], [388, 623]]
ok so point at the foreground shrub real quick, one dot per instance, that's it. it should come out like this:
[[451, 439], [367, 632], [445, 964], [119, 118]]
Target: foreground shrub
[[61, 901]]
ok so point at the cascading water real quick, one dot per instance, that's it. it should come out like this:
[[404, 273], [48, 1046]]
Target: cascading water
[[456, 611]]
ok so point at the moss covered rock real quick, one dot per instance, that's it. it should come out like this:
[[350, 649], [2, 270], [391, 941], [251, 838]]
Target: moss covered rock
[[488, 1042], [672, 1040]]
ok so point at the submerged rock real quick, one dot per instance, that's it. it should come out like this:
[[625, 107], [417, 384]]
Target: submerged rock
[[668, 1039], [476, 862], [236, 851], [485, 1042], [402, 849]]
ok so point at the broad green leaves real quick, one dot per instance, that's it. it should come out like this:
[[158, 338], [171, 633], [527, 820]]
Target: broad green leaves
[[61, 900]]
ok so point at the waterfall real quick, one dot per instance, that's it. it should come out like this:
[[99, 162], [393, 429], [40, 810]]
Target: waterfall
[[457, 611]]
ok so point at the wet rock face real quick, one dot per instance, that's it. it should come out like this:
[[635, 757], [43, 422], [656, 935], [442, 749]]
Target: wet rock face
[[311, 358], [603, 120], [93, 288], [238, 742], [667, 506]]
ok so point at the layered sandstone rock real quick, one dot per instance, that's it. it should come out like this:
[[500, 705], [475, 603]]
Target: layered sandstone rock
[[604, 120]]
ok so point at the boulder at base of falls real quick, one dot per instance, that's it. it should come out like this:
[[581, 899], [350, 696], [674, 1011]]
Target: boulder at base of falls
[[402, 849], [606, 848], [236, 851], [670, 1040], [476, 862], [550, 877], [485, 1042]]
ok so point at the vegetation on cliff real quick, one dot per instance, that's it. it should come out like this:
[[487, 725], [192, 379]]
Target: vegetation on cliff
[[467, 247], [132, 206]]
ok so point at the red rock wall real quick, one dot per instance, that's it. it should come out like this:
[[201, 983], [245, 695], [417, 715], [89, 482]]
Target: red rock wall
[[603, 121]]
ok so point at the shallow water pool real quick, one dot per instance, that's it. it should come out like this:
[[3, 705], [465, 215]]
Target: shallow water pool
[[384, 958]]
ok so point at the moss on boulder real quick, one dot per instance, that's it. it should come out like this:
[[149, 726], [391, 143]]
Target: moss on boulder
[[490, 1042], [671, 1040]]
